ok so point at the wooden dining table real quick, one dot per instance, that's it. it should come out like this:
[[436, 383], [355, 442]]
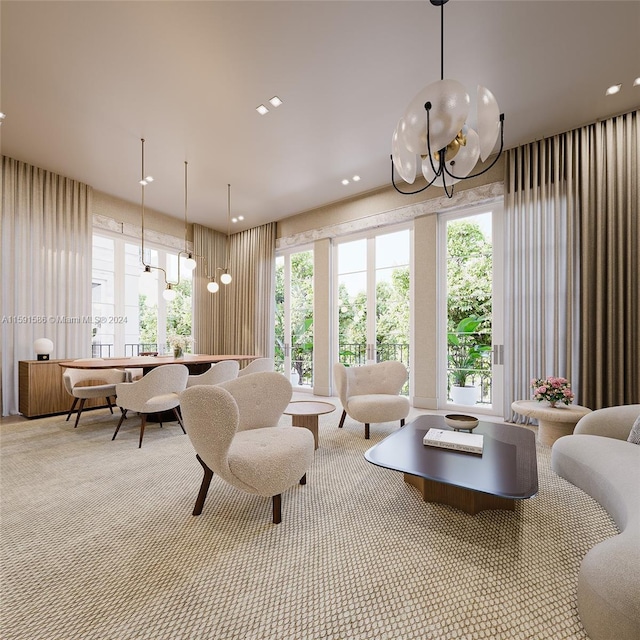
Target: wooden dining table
[[196, 363]]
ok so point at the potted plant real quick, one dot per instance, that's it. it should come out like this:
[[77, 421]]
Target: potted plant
[[465, 357]]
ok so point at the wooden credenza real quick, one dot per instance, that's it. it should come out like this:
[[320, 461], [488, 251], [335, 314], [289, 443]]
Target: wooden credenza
[[41, 390]]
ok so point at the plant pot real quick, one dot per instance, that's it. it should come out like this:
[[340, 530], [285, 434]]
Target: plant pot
[[467, 396]]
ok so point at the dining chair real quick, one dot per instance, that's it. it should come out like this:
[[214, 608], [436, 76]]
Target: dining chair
[[256, 366], [219, 372], [371, 393], [104, 385], [152, 394], [234, 430]]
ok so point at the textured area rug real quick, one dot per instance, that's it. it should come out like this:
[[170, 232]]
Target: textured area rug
[[98, 542]]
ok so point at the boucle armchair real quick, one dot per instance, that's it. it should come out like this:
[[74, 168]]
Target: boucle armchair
[[234, 430], [153, 393], [219, 372], [371, 393]]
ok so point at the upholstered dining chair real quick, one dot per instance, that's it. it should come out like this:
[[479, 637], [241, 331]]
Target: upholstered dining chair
[[153, 393], [105, 380], [371, 393], [219, 372], [256, 366], [234, 430]]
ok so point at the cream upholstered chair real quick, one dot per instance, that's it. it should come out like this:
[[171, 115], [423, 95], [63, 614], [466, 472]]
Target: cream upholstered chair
[[219, 372], [256, 366], [233, 428], [74, 381], [371, 393], [154, 393]]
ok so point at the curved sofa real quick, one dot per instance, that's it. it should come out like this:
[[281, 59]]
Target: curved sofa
[[598, 459]]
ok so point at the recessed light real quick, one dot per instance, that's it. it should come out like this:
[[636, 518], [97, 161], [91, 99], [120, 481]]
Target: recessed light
[[613, 89], [262, 110], [240, 217], [356, 178], [275, 101], [345, 181], [636, 82], [145, 181], [234, 220]]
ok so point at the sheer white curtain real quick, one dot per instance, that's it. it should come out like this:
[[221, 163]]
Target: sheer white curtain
[[46, 268], [541, 296]]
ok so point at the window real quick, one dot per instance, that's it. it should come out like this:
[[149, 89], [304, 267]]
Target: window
[[130, 315]]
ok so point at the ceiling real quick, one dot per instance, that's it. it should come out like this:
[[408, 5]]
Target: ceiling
[[83, 82]]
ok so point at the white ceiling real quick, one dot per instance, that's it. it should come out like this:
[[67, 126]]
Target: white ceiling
[[82, 82]]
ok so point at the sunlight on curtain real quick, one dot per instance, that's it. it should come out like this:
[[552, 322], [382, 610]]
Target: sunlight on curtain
[[46, 268], [572, 266], [238, 319], [540, 261]]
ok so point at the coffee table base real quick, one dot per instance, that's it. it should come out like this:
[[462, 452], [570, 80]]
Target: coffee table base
[[308, 422], [467, 500]]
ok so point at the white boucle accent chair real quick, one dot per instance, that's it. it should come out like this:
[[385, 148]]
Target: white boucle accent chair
[[256, 366], [72, 379], [371, 393], [219, 372], [234, 430], [153, 393]]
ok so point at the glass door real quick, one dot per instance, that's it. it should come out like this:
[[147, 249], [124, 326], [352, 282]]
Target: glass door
[[294, 317], [471, 309], [373, 301]]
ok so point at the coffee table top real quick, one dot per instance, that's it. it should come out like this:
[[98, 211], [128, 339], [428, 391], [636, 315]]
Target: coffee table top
[[506, 468], [308, 408]]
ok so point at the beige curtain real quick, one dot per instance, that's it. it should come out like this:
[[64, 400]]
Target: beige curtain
[[238, 319], [572, 269], [46, 269], [610, 262]]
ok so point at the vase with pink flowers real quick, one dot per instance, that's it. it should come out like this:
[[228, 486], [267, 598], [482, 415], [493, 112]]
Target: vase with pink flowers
[[552, 389]]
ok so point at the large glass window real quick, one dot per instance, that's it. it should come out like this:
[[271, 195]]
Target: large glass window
[[373, 300], [129, 313]]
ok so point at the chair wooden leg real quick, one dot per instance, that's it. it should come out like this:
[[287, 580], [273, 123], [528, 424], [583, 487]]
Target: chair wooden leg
[[179, 418], [303, 480], [402, 422], [277, 510], [122, 417], [204, 487], [80, 408], [110, 404], [342, 418], [73, 406], [366, 430], [143, 424]]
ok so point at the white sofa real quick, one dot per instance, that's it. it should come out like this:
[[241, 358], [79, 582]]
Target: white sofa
[[599, 459]]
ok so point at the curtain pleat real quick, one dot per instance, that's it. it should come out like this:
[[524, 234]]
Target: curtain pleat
[[610, 282], [238, 319], [46, 268], [572, 267]]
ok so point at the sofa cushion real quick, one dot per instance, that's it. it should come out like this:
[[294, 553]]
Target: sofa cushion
[[634, 435]]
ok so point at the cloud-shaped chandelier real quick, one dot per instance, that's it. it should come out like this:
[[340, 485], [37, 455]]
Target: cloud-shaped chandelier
[[433, 132]]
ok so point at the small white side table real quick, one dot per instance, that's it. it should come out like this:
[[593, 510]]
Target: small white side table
[[553, 423]]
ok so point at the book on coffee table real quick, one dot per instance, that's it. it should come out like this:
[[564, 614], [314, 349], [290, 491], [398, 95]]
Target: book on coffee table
[[467, 442]]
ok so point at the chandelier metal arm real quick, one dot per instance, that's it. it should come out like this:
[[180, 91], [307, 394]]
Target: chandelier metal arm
[[406, 193]]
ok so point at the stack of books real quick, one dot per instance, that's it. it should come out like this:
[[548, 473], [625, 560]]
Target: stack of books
[[468, 442]]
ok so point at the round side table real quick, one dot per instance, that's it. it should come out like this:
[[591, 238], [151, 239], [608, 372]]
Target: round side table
[[553, 422], [304, 413]]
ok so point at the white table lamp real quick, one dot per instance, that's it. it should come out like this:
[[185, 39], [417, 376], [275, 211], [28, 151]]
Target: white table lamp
[[43, 348]]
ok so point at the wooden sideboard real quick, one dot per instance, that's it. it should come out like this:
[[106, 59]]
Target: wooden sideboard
[[41, 390]]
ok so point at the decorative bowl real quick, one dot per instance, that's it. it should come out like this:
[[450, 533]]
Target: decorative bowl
[[460, 422]]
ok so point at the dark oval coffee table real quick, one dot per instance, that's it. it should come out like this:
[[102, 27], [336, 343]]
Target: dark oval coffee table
[[505, 472]]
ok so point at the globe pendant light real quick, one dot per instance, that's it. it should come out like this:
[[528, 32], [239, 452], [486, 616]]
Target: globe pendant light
[[433, 134]]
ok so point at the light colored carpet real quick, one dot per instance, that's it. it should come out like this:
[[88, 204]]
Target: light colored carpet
[[98, 542]]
